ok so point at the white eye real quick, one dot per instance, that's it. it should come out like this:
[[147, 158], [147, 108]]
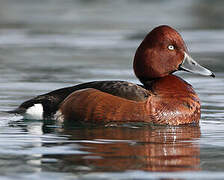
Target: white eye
[[171, 47]]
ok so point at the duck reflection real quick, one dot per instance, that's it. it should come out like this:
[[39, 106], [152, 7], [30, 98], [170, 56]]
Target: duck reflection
[[157, 148]]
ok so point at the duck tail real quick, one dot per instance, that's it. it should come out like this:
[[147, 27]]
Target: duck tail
[[16, 111]]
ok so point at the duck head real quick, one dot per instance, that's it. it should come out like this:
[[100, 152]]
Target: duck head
[[163, 52]]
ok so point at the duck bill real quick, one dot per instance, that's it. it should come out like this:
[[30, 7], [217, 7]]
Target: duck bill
[[192, 66]]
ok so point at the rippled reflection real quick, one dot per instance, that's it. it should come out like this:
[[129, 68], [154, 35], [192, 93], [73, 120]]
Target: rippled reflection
[[156, 148]]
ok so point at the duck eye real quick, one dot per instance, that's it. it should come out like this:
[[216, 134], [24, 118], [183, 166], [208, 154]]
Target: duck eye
[[171, 47]]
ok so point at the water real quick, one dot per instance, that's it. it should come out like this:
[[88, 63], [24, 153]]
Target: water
[[45, 45]]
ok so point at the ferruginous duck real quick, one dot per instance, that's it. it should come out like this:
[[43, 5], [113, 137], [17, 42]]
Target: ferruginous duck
[[163, 98]]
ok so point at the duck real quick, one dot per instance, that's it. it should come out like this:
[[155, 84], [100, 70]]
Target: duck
[[162, 98]]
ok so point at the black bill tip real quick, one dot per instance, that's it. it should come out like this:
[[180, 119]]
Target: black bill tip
[[213, 75]]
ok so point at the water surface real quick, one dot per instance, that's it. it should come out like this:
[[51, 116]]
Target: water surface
[[47, 45]]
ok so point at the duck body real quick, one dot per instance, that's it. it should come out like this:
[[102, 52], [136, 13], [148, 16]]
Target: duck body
[[162, 98], [168, 100], [50, 102]]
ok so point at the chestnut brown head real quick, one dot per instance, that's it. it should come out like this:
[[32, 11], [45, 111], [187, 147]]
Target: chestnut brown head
[[163, 52]]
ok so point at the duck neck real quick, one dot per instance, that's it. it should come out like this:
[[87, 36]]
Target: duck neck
[[147, 82]]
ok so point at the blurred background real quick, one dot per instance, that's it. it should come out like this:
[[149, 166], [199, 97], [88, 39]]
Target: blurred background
[[50, 44], [45, 36]]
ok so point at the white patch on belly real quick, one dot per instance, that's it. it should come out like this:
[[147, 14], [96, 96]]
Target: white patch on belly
[[59, 116], [34, 112]]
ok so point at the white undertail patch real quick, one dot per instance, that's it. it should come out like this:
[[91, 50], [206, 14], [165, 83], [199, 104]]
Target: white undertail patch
[[34, 112]]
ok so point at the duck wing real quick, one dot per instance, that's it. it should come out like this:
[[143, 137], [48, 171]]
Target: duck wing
[[51, 101]]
